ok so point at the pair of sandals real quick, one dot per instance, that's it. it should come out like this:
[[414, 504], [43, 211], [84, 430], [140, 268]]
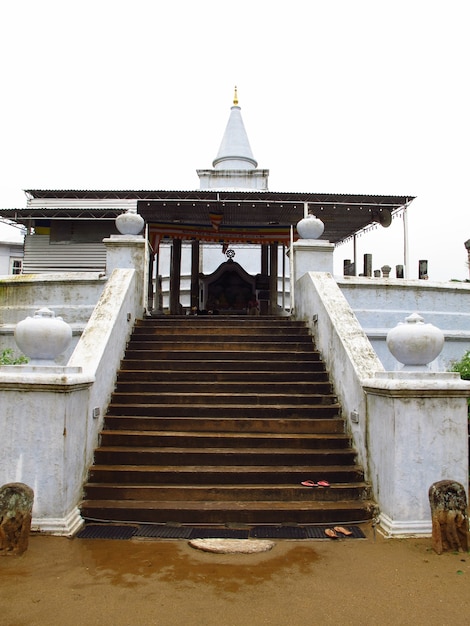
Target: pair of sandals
[[337, 531], [310, 483]]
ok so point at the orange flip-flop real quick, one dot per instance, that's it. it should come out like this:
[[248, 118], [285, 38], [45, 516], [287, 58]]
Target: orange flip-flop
[[329, 532], [308, 483], [342, 530]]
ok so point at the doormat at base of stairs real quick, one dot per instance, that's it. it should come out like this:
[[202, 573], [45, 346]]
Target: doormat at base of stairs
[[166, 531]]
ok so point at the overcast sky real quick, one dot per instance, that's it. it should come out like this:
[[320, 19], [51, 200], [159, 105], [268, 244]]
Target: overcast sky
[[337, 96]]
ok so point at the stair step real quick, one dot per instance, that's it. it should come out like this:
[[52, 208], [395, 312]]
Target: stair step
[[270, 352], [224, 474], [224, 351], [222, 424], [155, 339], [198, 398], [254, 377], [210, 411], [213, 456], [171, 387], [225, 493], [216, 331], [220, 320], [159, 362], [214, 512], [113, 438]]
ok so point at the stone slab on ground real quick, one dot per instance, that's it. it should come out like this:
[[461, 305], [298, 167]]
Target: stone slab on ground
[[232, 546]]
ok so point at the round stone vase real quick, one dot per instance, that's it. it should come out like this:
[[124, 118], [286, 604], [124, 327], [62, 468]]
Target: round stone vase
[[43, 337], [415, 343], [130, 222], [310, 227]]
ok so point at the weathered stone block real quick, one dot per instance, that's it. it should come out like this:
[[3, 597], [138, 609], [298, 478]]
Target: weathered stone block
[[449, 516], [16, 504]]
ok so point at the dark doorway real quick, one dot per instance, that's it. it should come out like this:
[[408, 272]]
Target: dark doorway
[[229, 292]]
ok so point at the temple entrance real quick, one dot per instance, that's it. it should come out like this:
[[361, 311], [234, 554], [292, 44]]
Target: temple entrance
[[229, 293], [228, 290]]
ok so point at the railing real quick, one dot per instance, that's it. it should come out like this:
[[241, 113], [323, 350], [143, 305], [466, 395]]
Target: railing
[[409, 427]]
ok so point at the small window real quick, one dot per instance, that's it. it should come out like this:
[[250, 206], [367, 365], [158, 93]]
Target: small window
[[16, 265]]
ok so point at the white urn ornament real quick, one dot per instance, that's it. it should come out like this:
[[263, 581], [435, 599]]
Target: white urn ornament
[[43, 337], [310, 227], [414, 343], [130, 222]]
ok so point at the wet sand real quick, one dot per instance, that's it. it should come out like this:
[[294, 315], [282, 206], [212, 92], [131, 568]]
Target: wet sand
[[72, 582]]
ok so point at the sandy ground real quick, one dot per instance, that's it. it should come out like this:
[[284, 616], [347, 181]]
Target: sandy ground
[[62, 582]]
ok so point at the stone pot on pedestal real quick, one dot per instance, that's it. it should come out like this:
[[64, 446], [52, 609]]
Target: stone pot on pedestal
[[43, 337], [310, 227], [130, 222], [414, 343]]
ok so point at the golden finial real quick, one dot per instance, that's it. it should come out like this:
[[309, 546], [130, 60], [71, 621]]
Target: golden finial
[[235, 97]]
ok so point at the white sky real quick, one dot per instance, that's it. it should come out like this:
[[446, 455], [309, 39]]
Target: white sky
[[337, 96]]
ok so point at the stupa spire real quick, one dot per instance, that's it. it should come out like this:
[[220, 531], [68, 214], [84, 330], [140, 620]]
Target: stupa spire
[[235, 151], [234, 166]]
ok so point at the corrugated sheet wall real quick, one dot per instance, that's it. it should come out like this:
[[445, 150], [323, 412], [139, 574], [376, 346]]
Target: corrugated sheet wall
[[41, 257]]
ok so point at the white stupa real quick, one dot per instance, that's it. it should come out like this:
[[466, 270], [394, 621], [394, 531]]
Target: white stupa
[[234, 166]]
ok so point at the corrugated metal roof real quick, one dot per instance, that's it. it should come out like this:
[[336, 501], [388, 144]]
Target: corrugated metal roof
[[201, 194], [343, 214]]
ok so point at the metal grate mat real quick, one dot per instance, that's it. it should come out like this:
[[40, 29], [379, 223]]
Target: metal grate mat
[[114, 531]]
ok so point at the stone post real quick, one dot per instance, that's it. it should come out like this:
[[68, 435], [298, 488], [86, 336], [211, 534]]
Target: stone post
[[128, 252], [423, 270], [16, 504], [386, 269], [368, 265], [399, 271], [311, 255], [467, 246], [348, 268], [449, 514]]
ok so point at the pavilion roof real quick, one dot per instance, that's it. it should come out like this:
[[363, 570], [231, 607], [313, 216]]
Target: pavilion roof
[[234, 211]]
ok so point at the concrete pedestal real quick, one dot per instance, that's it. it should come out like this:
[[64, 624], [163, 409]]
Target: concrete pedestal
[[311, 255], [45, 420], [417, 435], [128, 252]]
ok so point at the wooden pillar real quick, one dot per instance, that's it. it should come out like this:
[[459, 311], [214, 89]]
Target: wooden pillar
[[158, 295], [150, 293], [273, 270], [264, 259], [175, 277], [195, 258]]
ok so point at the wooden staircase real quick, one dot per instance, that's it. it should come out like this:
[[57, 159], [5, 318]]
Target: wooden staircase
[[218, 420]]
